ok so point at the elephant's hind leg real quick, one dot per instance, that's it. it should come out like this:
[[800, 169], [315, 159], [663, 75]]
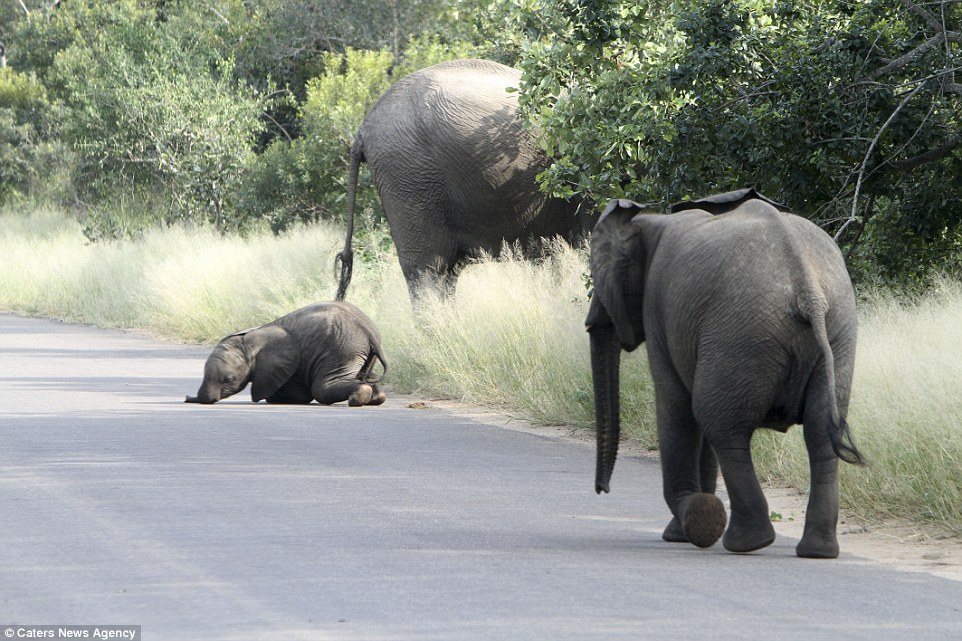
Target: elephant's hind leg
[[819, 539], [378, 396], [355, 392], [328, 392], [750, 527], [704, 519], [730, 405]]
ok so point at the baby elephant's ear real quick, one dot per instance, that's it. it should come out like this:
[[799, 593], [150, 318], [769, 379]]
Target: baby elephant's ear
[[275, 355]]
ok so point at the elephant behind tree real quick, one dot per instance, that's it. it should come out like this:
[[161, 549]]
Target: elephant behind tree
[[748, 314], [324, 352], [456, 171]]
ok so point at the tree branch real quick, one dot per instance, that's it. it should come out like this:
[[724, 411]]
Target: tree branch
[[868, 154], [869, 211], [933, 155], [942, 35], [931, 20], [218, 14], [929, 45]]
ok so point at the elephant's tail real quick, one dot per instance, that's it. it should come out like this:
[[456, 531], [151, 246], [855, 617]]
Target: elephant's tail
[[839, 433], [368, 367], [344, 261]]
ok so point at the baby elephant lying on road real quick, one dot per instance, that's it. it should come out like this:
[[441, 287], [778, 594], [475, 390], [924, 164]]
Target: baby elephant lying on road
[[323, 352]]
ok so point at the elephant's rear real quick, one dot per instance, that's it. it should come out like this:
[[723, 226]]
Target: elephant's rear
[[828, 304], [782, 307], [456, 170]]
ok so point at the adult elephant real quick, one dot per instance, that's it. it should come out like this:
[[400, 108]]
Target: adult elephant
[[456, 172], [749, 319]]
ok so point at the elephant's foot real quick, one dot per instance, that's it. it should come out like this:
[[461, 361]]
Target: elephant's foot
[[674, 533], [816, 545], [378, 398], [703, 519], [748, 535], [361, 396]]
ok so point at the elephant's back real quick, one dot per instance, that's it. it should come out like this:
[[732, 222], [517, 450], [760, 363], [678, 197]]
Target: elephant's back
[[472, 79], [756, 258], [453, 105], [472, 68]]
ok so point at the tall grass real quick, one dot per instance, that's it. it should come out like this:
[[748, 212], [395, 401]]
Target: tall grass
[[512, 335]]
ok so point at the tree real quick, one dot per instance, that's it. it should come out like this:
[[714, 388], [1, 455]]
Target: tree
[[32, 158], [846, 111]]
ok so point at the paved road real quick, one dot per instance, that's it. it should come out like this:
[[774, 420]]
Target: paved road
[[119, 504]]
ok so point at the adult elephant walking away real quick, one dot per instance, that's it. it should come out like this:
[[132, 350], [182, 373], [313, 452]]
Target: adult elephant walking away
[[749, 318], [456, 172]]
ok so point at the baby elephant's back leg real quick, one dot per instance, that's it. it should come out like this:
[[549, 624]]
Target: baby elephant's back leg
[[346, 386], [330, 391]]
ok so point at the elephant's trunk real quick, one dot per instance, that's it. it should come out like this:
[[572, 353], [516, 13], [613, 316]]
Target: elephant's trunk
[[202, 397], [605, 366]]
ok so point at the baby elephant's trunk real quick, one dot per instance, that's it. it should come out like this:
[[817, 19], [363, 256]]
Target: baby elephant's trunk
[[200, 399]]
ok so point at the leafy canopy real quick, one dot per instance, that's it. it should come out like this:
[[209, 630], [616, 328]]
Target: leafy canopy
[[846, 111]]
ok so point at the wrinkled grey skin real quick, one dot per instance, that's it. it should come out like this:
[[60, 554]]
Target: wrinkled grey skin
[[749, 319], [324, 352], [456, 172]]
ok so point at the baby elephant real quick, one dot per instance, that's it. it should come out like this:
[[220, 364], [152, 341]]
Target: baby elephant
[[323, 352]]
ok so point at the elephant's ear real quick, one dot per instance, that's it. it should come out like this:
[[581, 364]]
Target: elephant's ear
[[274, 356], [618, 273], [724, 203]]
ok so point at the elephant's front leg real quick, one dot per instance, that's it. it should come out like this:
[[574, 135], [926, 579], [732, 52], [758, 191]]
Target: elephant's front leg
[[699, 516]]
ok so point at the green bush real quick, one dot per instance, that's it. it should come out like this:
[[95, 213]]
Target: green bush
[[33, 161], [157, 115], [844, 111]]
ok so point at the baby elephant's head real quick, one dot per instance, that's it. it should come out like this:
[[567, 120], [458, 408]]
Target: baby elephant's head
[[266, 357], [226, 372]]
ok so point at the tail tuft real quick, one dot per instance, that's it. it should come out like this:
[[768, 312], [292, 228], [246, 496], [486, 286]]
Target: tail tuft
[[344, 264], [844, 447]]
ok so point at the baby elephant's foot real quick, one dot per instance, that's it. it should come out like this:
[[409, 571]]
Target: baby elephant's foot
[[361, 396], [703, 519], [378, 396]]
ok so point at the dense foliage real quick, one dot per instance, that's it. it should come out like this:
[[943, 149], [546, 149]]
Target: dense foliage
[[848, 111], [233, 113], [240, 113]]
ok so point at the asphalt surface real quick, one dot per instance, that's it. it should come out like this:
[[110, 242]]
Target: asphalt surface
[[120, 504]]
